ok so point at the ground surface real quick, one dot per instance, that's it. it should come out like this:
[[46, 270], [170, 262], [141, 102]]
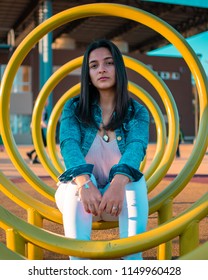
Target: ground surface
[[192, 192]]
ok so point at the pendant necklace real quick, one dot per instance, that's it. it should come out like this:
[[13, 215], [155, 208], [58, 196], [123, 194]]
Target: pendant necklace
[[105, 135]]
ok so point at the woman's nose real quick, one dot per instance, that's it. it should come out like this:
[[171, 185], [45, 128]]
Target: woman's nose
[[102, 69]]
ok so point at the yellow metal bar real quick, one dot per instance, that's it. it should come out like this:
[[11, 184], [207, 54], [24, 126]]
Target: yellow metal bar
[[34, 218], [7, 254], [199, 253], [26, 201], [189, 239], [15, 242], [172, 115], [107, 249], [38, 108], [52, 124], [160, 128], [164, 214]]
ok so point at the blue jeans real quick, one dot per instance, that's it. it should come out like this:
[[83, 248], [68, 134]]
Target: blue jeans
[[78, 223]]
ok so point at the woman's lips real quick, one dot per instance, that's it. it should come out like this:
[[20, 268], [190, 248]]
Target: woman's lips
[[103, 78]]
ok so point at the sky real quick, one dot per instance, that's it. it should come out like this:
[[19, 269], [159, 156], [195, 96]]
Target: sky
[[199, 44], [197, 3]]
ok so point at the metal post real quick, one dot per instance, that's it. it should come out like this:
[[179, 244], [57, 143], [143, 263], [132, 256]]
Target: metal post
[[45, 51]]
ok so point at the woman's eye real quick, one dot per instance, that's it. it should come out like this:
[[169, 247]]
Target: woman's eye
[[109, 63], [93, 66]]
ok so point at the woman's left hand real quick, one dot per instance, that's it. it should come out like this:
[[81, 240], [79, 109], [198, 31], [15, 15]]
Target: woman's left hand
[[112, 200]]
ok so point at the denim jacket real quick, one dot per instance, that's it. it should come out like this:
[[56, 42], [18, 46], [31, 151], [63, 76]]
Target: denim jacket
[[77, 137]]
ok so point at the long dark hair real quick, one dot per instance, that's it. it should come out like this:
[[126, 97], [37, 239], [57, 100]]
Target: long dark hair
[[89, 93]]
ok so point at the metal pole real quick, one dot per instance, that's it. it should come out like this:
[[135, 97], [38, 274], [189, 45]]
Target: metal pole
[[45, 51]]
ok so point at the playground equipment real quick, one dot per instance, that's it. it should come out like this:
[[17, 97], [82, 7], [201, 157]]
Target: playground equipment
[[20, 233]]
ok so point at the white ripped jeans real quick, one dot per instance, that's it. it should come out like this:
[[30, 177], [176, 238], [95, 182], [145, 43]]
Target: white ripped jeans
[[78, 223]]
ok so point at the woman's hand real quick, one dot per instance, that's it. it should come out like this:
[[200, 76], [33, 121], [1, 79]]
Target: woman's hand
[[90, 198], [112, 200]]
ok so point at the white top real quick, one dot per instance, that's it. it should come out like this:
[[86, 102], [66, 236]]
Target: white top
[[103, 155]]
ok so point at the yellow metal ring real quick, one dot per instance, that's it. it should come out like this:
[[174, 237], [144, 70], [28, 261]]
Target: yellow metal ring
[[120, 11], [60, 74]]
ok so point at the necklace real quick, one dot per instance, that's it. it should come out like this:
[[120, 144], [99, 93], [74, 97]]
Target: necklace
[[105, 135]]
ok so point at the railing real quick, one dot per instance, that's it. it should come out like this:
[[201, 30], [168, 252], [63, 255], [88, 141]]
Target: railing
[[20, 234]]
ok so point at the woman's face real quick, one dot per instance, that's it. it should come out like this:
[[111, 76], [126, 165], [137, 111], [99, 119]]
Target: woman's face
[[102, 69]]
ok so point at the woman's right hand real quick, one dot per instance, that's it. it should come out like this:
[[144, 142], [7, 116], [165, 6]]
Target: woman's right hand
[[91, 198]]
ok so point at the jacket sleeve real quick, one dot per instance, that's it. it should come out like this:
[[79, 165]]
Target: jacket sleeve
[[70, 144], [137, 137]]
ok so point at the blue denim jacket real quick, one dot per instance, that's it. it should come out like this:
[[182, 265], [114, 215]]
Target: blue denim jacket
[[77, 137]]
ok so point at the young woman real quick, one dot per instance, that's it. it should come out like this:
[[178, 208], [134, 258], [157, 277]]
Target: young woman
[[103, 139]]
